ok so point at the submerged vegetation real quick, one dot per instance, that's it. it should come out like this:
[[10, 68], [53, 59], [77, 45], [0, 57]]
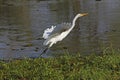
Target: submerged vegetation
[[92, 67]]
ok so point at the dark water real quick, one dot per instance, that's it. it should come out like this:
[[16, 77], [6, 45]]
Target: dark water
[[22, 23]]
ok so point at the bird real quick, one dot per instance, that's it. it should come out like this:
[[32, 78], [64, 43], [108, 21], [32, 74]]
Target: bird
[[57, 33]]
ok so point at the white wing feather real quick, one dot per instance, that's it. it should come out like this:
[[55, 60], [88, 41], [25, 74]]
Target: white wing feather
[[47, 32]]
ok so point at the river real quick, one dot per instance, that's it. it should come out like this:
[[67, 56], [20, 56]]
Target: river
[[22, 23]]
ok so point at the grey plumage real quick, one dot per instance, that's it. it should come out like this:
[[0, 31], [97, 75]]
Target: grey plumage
[[60, 28]]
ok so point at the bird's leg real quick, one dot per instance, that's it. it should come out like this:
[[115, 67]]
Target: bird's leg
[[44, 51]]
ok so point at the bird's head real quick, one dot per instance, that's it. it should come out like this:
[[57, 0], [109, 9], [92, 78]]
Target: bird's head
[[79, 15], [82, 14]]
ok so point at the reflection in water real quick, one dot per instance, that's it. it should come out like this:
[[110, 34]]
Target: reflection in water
[[14, 28], [22, 22]]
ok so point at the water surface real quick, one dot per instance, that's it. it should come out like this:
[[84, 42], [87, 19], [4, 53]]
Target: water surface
[[22, 23]]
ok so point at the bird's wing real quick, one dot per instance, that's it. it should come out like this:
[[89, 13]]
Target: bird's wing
[[57, 31], [48, 31], [60, 28]]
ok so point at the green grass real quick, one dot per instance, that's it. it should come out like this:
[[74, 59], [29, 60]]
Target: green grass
[[92, 67]]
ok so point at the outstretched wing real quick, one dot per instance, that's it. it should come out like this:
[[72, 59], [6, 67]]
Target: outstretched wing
[[60, 28], [47, 32], [57, 31]]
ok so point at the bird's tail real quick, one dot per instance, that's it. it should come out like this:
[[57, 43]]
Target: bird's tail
[[44, 51]]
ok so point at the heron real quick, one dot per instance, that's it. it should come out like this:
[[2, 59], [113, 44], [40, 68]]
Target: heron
[[58, 33]]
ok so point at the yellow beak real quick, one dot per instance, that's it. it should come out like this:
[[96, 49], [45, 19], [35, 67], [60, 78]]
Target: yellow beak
[[84, 14]]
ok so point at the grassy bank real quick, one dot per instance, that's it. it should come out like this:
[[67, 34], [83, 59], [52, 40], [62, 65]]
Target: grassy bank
[[104, 67]]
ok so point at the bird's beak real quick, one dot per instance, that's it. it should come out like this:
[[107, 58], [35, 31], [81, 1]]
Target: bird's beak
[[84, 14]]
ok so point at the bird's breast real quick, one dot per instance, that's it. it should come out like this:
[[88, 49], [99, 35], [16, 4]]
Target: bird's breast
[[62, 35]]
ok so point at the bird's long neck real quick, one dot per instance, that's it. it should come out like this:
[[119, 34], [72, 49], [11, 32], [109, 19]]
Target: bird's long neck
[[73, 23]]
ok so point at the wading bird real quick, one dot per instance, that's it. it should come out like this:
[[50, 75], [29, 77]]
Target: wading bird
[[59, 32]]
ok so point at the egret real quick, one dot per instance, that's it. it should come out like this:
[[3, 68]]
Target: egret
[[58, 33]]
